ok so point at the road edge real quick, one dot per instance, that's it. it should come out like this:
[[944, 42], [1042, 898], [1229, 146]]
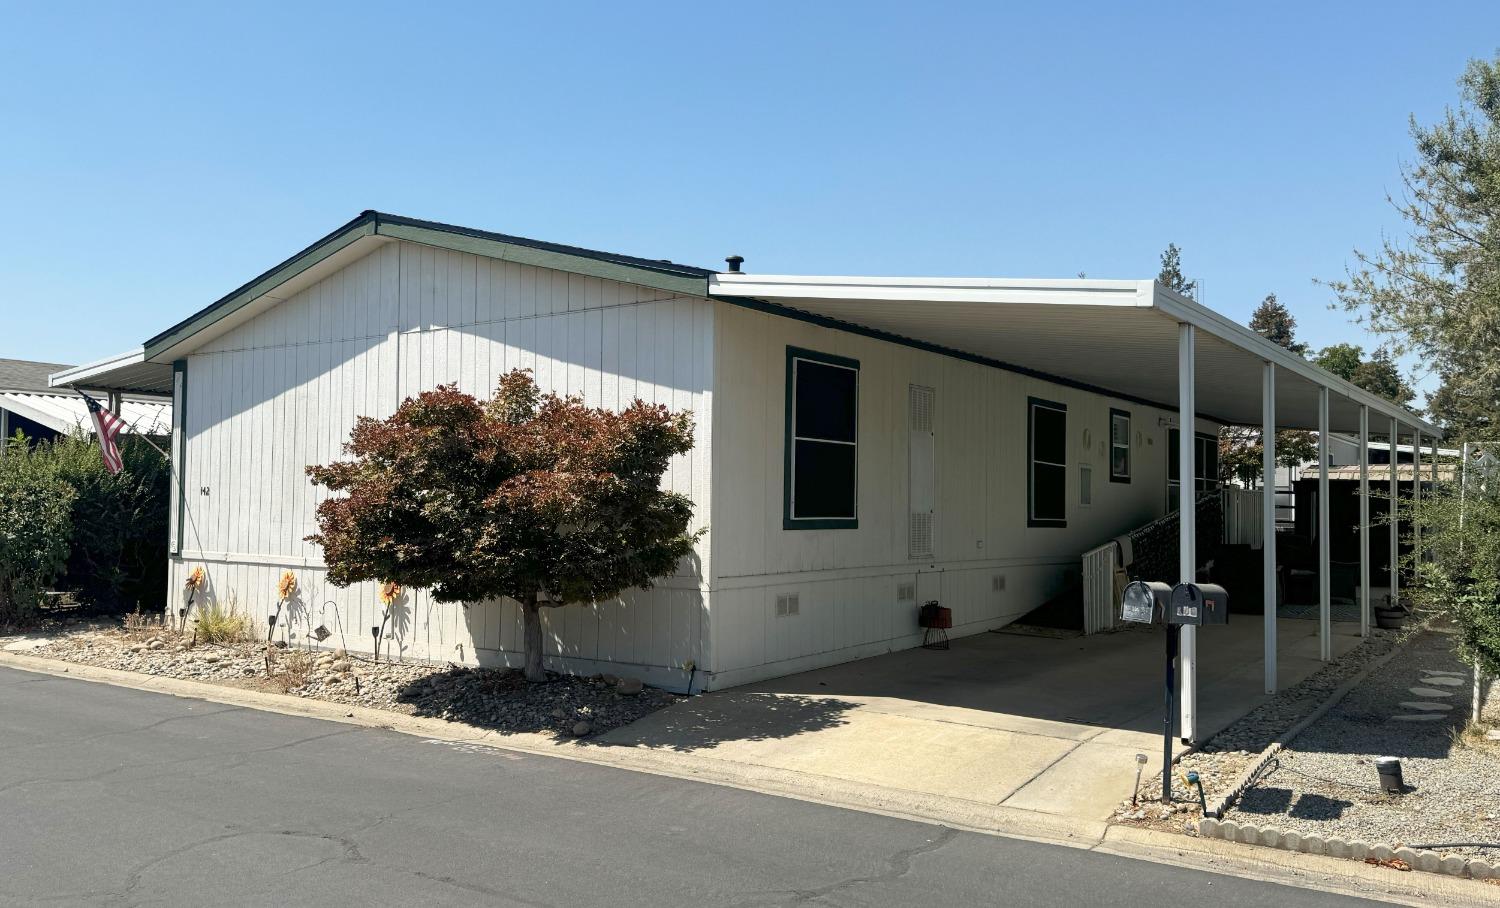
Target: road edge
[[1298, 870]]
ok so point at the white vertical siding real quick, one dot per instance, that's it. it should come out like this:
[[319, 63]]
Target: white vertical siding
[[283, 390], [986, 564]]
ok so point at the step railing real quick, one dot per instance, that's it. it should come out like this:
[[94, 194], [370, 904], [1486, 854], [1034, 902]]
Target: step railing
[[1103, 565]]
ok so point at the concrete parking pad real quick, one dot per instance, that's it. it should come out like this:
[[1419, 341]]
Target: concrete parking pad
[[1033, 723]]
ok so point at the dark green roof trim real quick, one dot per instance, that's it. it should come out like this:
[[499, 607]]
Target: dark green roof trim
[[661, 275], [360, 227]]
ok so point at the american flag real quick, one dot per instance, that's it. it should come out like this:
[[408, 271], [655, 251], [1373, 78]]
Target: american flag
[[107, 425]]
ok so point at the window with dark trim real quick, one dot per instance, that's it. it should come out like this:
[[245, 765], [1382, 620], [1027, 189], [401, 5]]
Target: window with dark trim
[[1205, 465], [1046, 463], [822, 441], [1119, 445]]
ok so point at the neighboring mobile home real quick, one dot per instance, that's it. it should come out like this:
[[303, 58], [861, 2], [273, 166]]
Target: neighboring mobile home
[[29, 404], [862, 444]]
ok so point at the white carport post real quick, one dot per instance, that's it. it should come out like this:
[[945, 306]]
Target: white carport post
[[1364, 520], [1394, 515], [1268, 518], [1187, 524], [1325, 597]]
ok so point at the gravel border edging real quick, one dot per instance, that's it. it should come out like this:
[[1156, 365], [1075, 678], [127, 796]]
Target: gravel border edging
[[1257, 765], [1380, 853]]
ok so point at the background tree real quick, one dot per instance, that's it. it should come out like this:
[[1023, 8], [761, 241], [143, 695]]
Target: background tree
[[1171, 273], [1274, 322], [534, 497], [1240, 447], [1435, 293], [1378, 374]]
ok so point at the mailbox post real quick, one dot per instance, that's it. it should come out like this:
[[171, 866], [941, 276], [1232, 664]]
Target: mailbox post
[[1185, 605]]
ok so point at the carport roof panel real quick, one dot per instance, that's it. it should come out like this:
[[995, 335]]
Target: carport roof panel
[[1118, 336]]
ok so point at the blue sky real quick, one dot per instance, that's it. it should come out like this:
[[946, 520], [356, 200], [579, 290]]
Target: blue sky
[[154, 157]]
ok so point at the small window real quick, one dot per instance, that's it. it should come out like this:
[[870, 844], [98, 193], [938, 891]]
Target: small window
[[1047, 468], [822, 450], [1119, 446]]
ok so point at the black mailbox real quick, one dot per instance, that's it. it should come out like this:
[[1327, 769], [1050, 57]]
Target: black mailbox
[[1198, 603], [1145, 601]]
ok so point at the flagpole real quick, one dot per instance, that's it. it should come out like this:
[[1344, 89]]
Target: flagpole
[[170, 465]]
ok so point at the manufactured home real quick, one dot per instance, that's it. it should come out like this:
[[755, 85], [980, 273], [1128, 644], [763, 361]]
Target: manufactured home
[[863, 445]]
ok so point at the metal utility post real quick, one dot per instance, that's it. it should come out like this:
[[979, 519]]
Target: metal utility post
[[1394, 515], [1416, 501], [1268, 519], [1169, 712], [1187, 522]]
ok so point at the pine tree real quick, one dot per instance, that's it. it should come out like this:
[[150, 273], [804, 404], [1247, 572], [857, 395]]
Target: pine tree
[[1171, 275]]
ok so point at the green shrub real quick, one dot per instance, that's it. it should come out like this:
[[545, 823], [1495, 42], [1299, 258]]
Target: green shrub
[[119, 552], [35, 527], [1460, 578]]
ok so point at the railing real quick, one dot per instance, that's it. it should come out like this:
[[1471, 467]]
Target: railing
[[1099, 566], [1153, 555]]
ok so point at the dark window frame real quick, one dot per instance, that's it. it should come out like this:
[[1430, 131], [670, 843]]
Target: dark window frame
[[1032, 403], [788, 520], [1129, 446]]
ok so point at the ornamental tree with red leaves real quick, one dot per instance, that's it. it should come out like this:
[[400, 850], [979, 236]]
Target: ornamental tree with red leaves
[[534, 497]]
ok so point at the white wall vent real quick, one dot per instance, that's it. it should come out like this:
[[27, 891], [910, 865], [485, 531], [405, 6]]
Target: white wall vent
[[787, 604], [997, 583], [1085, 485], [921, 534], [906, 591], [921, 470]]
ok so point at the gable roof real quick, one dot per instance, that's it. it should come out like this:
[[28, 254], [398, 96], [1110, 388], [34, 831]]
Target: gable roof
[[25, 375], [659, 273]]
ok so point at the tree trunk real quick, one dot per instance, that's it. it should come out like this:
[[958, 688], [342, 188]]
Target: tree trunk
[[531, 639]]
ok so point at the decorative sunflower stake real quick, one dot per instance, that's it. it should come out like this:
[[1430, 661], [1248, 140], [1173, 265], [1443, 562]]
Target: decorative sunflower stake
[[193, 584], [285, 590], [390, 591]]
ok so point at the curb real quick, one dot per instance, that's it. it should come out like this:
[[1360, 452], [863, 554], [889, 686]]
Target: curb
[[971, 816], [1170, 848], [1334, 847]]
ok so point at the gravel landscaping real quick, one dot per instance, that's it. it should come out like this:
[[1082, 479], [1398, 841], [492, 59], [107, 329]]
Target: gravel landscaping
[[1222, 759], [1415, 708], [499, 699]]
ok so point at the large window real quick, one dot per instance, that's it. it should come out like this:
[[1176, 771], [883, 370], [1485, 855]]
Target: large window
[[1046, 463], [1119, 446], [1205, 466], [822, 441]]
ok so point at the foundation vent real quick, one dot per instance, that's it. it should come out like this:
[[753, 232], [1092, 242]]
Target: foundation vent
[[787, 604]]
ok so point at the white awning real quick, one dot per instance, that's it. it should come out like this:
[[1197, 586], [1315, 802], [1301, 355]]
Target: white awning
[[1116, 337], [66, 412], [127, 372]]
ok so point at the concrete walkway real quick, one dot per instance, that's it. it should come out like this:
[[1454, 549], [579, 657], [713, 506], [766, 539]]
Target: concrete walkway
[[1030, 723]]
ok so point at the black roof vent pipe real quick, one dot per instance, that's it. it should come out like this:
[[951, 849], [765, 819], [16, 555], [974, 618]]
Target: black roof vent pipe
[[734, 262]]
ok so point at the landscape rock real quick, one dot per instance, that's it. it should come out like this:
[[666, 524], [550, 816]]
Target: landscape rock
[[630, 687], [581, 728], [498, 699]]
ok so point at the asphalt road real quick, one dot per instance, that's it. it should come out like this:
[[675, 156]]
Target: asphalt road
[[111, 796]]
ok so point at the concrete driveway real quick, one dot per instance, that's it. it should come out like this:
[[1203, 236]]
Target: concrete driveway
[[1038, 724]]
